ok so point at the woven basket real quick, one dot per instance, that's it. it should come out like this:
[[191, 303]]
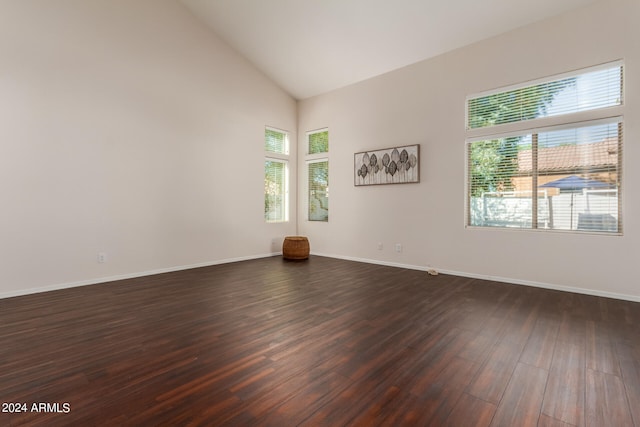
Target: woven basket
[[295, 247]]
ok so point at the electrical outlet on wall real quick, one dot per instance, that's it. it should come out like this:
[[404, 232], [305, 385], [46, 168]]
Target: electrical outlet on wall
[[102, 257], [380, 246], [398, 247]]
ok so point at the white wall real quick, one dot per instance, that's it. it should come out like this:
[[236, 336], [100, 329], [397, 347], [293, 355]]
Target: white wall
[[127, 127], [425, 104]]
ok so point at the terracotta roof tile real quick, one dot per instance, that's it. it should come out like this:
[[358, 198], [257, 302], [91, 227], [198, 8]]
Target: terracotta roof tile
[[570, 157]]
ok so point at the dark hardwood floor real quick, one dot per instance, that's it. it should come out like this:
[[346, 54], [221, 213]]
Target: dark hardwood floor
[[322, 342]]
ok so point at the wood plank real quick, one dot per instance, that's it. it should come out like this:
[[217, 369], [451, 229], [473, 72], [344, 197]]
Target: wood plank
[[446, 366], [517, 325], [564, 396], [470, 410], [629, 356], [539, 348], [522, 399], [446, 389], [601, 355], [547, 421], [492, 380], [607, 402]]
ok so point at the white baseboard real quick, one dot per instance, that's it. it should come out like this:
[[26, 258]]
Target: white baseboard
[[555, 287], [551, 286], [99, 280], [373, 261]]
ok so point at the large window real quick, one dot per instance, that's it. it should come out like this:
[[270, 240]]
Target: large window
[[318, 175], [548, 155], [276, 175]]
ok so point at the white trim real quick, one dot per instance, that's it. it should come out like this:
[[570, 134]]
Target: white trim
[[286, 214], [373, 261], [318, 160], [555, 287], [547, 124], [284, 158], [604, 294], [99, 280], [276, 159], [275, 129], [545, 230], [324, 129], [309, 162]]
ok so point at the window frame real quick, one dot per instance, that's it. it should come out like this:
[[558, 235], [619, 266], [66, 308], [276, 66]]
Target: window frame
[[310, 158], [586, 115], [308, 163], [309, 154], [573, 120], [284, 158]]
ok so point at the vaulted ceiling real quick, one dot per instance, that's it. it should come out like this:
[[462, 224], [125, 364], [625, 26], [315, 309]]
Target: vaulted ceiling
[[309, 47]]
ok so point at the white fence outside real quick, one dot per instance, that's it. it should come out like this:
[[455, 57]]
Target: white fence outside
[[593, 210]]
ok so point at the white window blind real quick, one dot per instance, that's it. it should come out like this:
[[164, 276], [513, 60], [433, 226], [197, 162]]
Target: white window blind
[[276, 176], [276, 141], [597, 88], [561, 177], [318, 185], [318, 175]]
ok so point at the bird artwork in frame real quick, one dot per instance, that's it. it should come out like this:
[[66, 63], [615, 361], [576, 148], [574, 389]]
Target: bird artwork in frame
[[396, 165]]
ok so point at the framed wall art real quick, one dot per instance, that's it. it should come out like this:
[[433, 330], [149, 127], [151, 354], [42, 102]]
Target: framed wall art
[[396, 165]]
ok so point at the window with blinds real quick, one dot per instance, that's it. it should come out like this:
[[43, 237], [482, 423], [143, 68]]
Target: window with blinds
[[276, 141], [318, 190], [276, 175], [595, 89], [318, 175], [562, 174]]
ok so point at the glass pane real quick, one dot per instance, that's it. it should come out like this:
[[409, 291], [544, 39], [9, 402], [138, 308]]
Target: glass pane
[[275, 142], [578, 180], [275, 195], [498, 195], [586, 91], [319, 191], [579, 173], [319, 142]]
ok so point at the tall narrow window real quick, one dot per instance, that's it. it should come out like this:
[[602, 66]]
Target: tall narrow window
[[276, 175], [318, 174], [564, 173], [319, 190]]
